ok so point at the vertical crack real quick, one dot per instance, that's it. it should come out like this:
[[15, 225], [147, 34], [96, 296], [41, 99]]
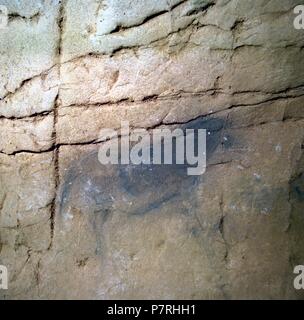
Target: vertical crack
[[56, 173], [221, 227], [38, 276], [61, 20]]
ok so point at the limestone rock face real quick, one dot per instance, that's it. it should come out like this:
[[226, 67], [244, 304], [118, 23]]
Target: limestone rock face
[[71, 227]]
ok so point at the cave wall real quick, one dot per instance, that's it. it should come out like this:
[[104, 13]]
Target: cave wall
[[71, 228]]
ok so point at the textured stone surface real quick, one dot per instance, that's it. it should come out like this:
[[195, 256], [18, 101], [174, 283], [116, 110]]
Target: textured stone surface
[[111, 25], [128, 76], [29, 44], [36, 96], [26, 196], [73, 228], [33, 134]]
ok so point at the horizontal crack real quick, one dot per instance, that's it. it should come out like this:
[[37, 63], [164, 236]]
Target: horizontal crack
[[121, 28], [25, 81], [34, 115], [15, 15], [96, 141]]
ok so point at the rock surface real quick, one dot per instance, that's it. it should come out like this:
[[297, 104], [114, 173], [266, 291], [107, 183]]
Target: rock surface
[[73, 228]]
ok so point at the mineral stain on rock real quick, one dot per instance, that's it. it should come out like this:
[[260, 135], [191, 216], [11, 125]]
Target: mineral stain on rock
[[298, 188], [152, 182], [100, 191], [143, 219]]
